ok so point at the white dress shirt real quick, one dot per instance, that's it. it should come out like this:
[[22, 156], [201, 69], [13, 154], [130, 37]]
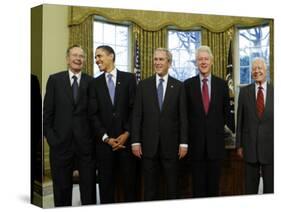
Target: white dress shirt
[[71, 74]]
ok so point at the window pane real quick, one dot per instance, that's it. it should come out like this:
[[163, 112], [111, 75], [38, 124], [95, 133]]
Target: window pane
[[183, 45], [121, 55], [253, 43], [98, 32], [109, 34], [122, 36], [244, 75]]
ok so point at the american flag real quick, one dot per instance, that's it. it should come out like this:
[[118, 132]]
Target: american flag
[[137, 62], [230, 84]]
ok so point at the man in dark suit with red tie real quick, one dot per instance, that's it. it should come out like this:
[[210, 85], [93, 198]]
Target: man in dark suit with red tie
[[255, 125], [67, 129], [110, 107], [159, 134], [207, 112]]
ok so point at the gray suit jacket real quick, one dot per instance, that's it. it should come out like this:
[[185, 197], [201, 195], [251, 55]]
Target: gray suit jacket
[[253, 134]]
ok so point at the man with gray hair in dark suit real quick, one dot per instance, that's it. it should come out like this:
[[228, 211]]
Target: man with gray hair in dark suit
[[254, 136]]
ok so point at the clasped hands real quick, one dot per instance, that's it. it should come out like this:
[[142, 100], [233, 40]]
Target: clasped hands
[[118, 143]]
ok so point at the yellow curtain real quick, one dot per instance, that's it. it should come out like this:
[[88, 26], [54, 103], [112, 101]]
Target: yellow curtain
[[219, 44], [82, 34], [156, 20], [150, 27], [271, 49], [148, 41]]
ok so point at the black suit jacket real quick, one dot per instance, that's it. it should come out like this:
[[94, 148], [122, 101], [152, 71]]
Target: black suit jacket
[[152, 127], [206, 132], [255, 135], [64, 121], [106, 117]]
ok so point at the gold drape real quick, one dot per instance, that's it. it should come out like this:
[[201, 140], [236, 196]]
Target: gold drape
[[219, 44], [82, 34], [151, 30], [148, 42], [156, 20], [271, 49]]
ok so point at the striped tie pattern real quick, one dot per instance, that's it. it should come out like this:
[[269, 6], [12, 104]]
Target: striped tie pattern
[[205, 95], [260, 102]]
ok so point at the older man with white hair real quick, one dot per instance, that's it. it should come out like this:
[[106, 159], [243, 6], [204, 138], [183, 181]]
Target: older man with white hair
[[255, 130]]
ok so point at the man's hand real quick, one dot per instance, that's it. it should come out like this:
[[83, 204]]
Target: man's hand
[[113, 142], [182, 152], [137, 151], [240, 152], [120, 141]]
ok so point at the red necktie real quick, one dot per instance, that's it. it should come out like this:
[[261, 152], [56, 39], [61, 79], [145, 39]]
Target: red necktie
[[260, 102], [205, 95]]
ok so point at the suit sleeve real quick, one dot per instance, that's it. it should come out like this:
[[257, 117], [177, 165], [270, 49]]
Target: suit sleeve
[[183, 116], [93, 111], [240, 112], [132, 93], [49, 113], [137, 116]]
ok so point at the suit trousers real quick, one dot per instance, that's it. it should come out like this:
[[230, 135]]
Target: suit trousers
[[151, 173], [116, 168], [206, 177], [253, 171], [62, 175]]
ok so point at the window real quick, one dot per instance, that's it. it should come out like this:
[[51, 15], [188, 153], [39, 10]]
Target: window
[[116, 36], [253, 42], [183, 45]]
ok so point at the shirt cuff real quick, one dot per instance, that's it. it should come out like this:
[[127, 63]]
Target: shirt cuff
[[135, 144], [184, 145], [104, 137]]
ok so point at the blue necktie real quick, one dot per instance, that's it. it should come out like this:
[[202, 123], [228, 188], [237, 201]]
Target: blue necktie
[[111, 87], [75, 89], [160, 92]]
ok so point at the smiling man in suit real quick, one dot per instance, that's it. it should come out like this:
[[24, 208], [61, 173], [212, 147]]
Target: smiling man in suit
[[66, 127], [111, 103], [208, 111], [254, 135], [159, 134]]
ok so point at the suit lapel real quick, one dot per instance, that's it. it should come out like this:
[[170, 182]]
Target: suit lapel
[[213, 93], [252, 98], [168, 93], [81, 87], [154, 94], [67, 86], [104, 84], [198, 94], [269, 101], [118, 87]]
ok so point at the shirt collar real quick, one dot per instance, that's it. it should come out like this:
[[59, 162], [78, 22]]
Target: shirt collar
[[165, 78], [71, 74], [208, 77], [113, 73], [263, 85]]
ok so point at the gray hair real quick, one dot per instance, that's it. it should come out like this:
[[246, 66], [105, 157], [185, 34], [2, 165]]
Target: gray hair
[[204, 49], [259, 59]]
